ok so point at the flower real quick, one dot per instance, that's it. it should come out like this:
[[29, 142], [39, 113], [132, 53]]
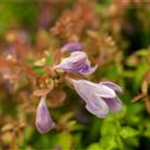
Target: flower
[[100, 98], [77, 62], [44, 122], [73, 46]]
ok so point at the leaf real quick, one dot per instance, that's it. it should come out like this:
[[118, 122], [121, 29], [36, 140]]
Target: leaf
[[57, 57], [109, 142], [94, 146], [50, 71], [66, 117], [39, 70], [29, 71], [27, 133], [106, 128], [143, 52], [139, 74], [127, 132], [50, 59], [41, 92], [65, 140]]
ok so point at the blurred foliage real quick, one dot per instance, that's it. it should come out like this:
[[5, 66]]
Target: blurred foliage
[[116, 36]]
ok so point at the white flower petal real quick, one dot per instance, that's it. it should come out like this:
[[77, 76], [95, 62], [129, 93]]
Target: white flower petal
[[98, 107], [90, 87], [112, 85]]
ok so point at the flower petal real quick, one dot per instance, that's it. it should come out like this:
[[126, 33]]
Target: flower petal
[[89, 88], [88, 70], [99, 99], [98, 107], [44, 122], [112, 85], [73, 46], [114, 104], [74, 63], [94, 103]]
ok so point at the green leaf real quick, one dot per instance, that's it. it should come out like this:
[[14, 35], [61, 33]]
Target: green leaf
[[28, 133], [127, 132], [39, 70], [50, 59], [138, 75], [143, 52], [65, 140], [94, 146], [109, 143], [106, 128]]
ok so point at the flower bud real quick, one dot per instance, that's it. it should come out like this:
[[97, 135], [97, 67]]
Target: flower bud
[[44, 121], [78, 62]]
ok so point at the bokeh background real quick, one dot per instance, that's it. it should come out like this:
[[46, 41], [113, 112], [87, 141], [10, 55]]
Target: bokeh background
[[115, 35]]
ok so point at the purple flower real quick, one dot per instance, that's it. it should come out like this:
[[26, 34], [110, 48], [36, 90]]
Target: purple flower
[[100, 99], [44, 122], [77, 62], [73, 46]]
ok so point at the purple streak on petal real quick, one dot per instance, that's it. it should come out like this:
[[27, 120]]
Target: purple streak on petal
[[74, 63], [44, 122], [74, 46], [88, 70], [112, 85], [78, 60], [114, 104]]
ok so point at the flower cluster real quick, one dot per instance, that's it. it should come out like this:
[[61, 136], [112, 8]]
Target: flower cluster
[[100, 98]]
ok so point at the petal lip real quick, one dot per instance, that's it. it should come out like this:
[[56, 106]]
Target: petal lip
[[114, 104], [73, 46], [98, 107], [112, 85], [44, 122], [88, 70]]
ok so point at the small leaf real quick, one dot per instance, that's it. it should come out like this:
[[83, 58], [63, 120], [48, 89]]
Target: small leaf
[[65, 140], [50, 71], [57, 57], [50, 59], [127, 132], [65, 118], [41, 92], [109, 142], [39, 70], [94, 146], [139, 74]]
